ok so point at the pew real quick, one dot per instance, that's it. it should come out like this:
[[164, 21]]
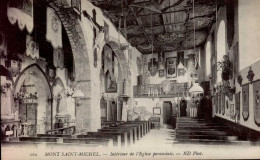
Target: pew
[[123, 134], [116, 137], [101, 141], [133, 136], [40, 139], [127, 133], [54, 135]]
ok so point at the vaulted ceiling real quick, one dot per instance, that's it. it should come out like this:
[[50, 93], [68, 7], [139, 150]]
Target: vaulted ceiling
[[167, 25]]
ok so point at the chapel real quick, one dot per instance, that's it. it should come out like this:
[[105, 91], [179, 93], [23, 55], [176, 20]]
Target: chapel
[[129, 73]]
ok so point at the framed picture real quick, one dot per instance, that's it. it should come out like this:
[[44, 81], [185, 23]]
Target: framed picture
[[156, 110], [171, 67]]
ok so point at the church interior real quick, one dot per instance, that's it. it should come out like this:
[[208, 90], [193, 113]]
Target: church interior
[[122, 73]]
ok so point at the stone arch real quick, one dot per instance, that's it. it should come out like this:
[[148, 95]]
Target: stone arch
[[44, 107], [221, 45], [73, 28]]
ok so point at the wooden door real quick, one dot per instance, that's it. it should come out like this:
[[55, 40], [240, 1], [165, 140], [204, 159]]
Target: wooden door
[[167, 112]]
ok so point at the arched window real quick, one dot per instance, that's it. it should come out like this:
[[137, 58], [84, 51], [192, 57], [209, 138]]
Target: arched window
[[221, 45], [208, 57]]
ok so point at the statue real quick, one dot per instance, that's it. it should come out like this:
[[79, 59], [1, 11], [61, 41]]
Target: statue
[[7, 101], [61, 103]]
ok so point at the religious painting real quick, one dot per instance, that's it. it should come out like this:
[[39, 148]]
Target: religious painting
[[237, 106], [153, 66], [245, 101], [256, 101], [110, 83], [171, 67], [106, 30]]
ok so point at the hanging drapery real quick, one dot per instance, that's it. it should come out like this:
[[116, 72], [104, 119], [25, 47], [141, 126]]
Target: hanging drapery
[[58, 58], [256, 96], [245, 101], [3, 45], [21, 11], [32, 48], [54, 30]]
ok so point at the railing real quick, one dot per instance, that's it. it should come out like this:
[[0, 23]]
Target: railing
[[156, 90], [66, 130]]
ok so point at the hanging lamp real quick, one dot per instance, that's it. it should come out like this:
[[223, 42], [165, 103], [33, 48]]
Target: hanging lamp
[[196, 89]]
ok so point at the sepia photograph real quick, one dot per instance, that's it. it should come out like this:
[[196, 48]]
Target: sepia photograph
[[130, 79]]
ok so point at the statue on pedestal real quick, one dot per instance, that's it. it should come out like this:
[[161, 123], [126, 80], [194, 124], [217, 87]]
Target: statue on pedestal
[[7, 101], [61, 103]]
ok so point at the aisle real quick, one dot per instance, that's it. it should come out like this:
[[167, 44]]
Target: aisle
[[161, 138]]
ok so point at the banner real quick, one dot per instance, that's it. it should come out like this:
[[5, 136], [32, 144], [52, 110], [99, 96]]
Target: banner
[[58, 58], [32, 48], [256, 95], [171, 67], [54, 30], [245, 101], [21, 11]]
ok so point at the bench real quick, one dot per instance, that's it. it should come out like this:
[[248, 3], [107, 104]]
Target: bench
[[155, 122], [54, 135], [116, 138], [125, 132], [92, 140]]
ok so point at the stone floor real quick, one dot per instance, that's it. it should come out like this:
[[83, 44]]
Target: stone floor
[[157, 144]]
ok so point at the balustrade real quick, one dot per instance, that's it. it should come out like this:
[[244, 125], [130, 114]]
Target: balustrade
[[156, 90]]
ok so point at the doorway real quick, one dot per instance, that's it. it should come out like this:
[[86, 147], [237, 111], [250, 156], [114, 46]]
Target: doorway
[[183, 108], [167, 112]]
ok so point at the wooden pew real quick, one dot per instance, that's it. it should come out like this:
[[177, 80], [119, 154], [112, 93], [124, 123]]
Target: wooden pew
[[40, 139], [126, 132], [54, 135], [140, 127], [116, 137], [123, 134], [133, 136], [100, 141]]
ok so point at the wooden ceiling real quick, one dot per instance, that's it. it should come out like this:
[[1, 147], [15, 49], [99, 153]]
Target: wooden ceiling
[[167, 25]]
